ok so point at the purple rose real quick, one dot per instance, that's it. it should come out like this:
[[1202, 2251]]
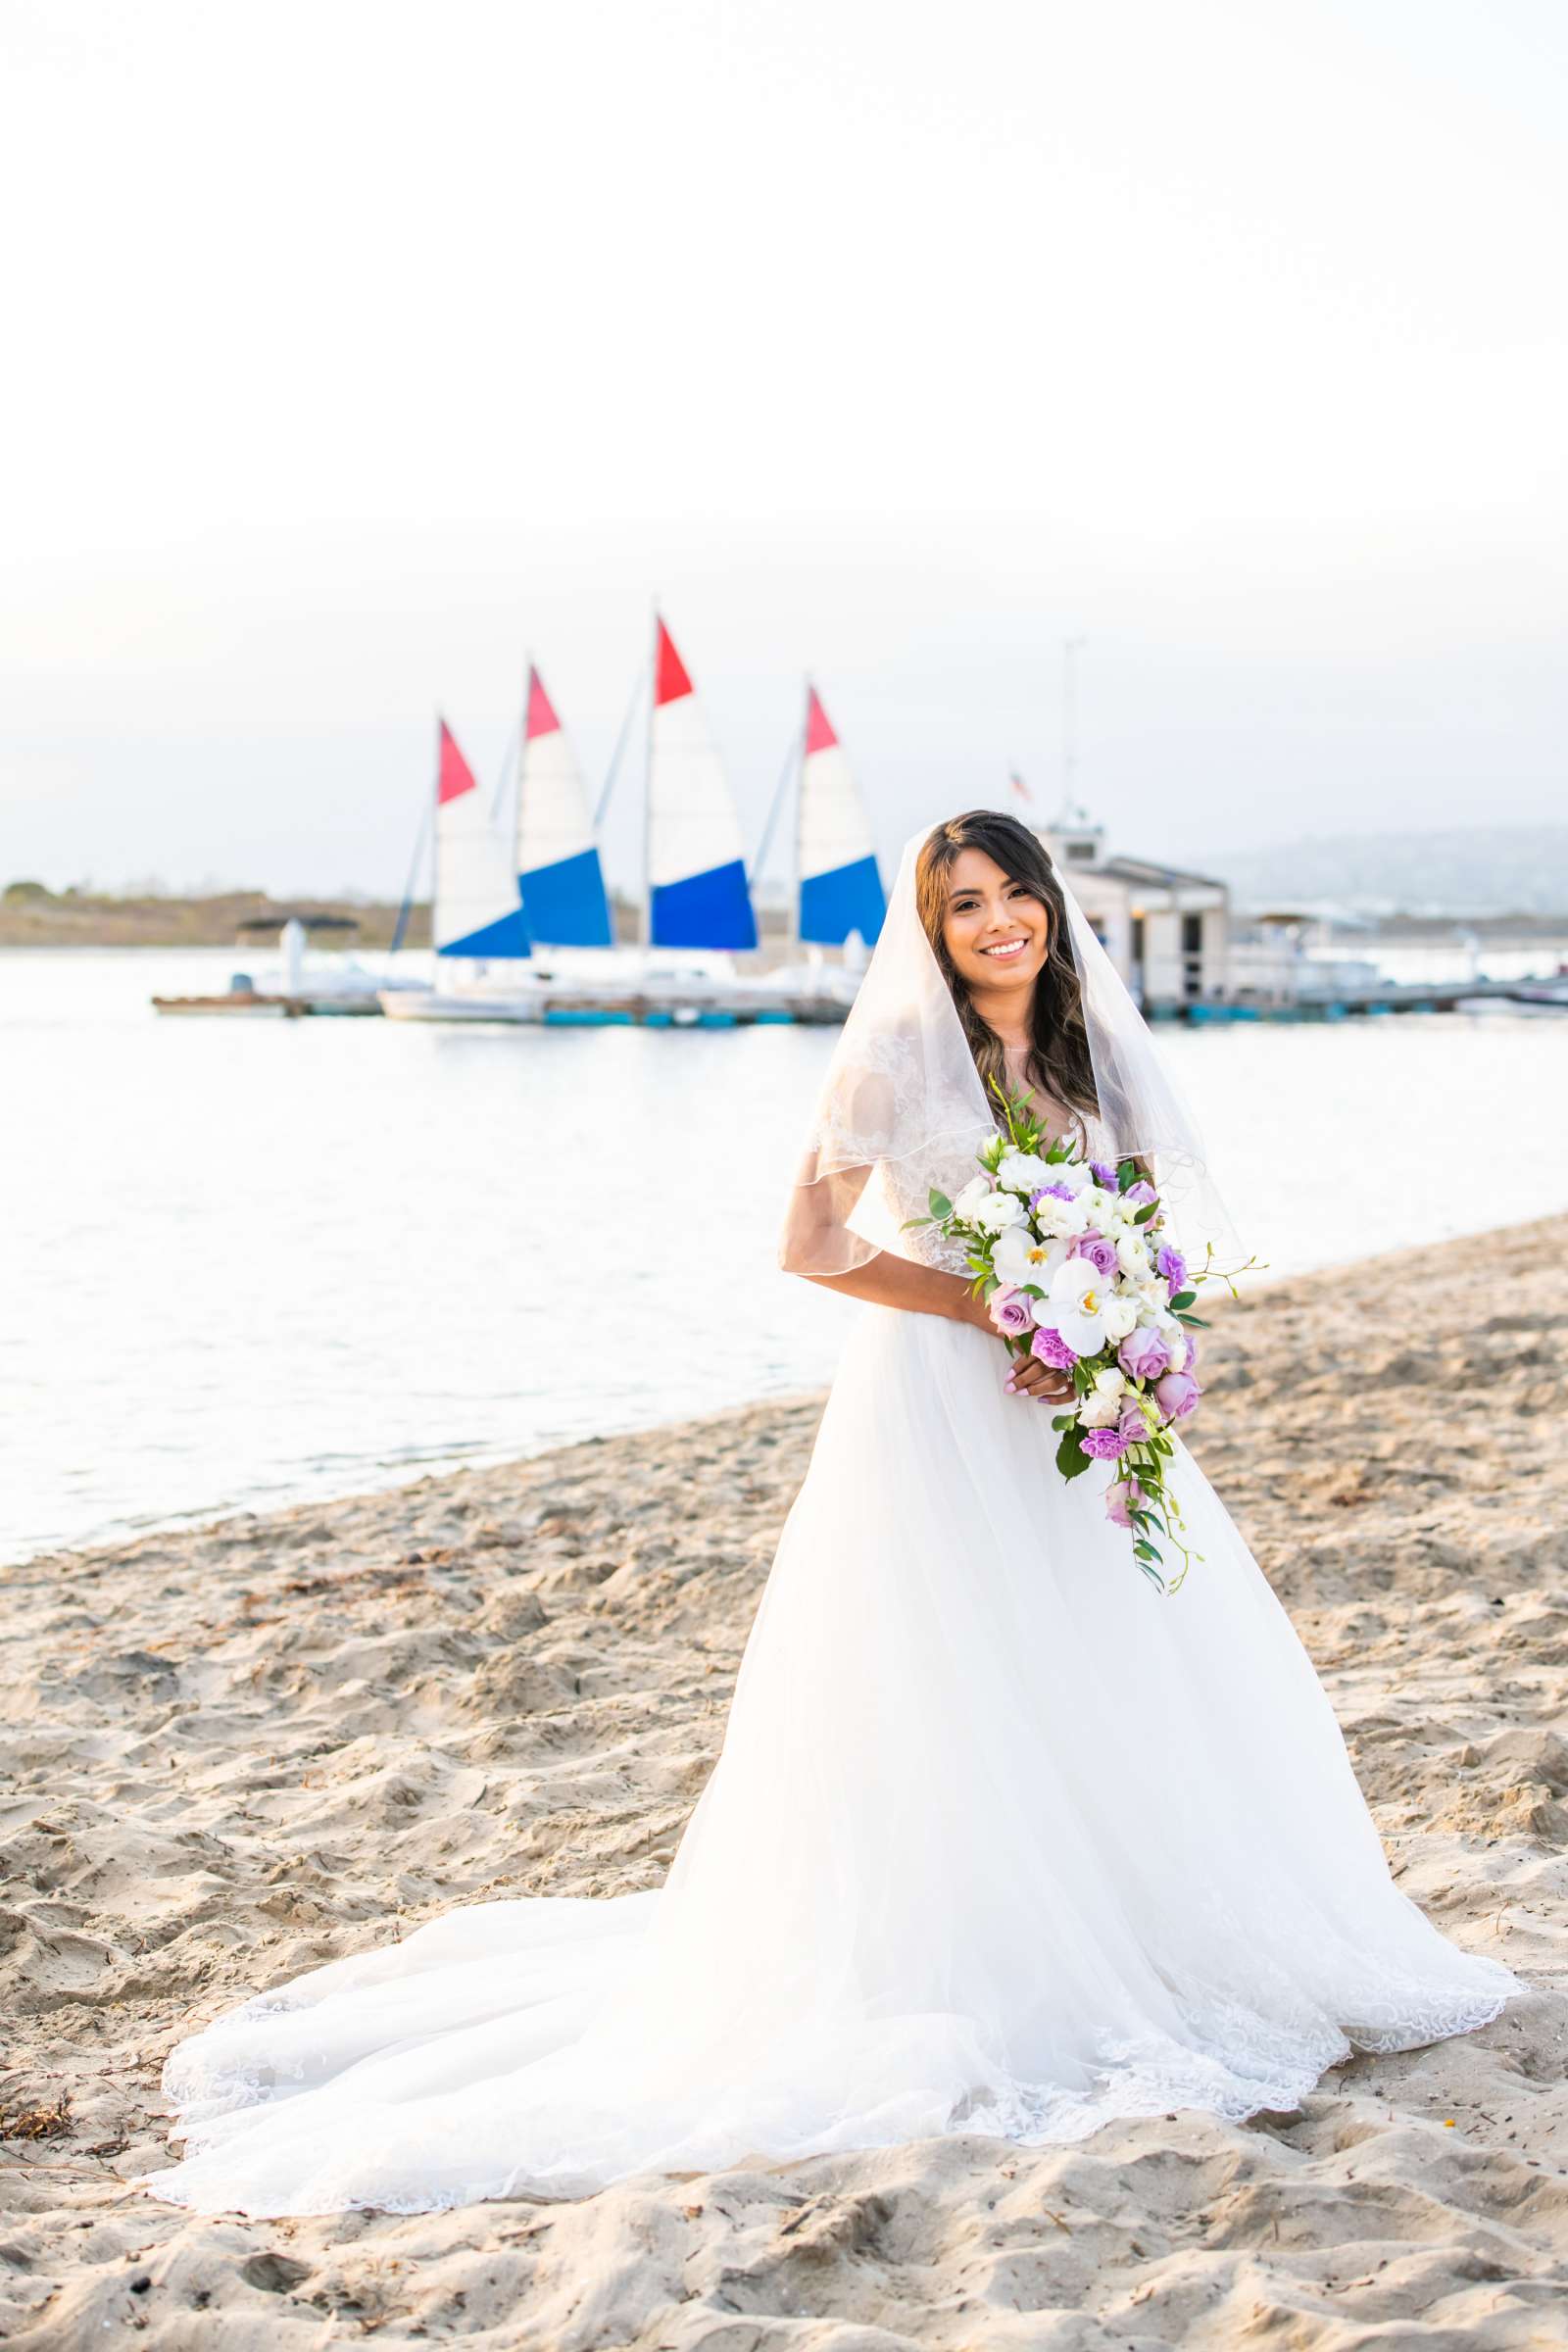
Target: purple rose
[[1144, 1355], [1103, 1444], [1010, 1313], [1052, 1349], [1104, 1173], [1101, 1253], [1177, 1394], [1133, 1425], [1173, 1266], [1049, 1192], [1123, 1497], [1139, 1195]]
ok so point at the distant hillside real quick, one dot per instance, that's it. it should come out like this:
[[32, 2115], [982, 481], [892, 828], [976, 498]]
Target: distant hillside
[[248, 920], [31, 916], [1512, 869]]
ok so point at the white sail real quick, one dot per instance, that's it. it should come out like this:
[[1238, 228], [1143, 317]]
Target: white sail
[[840, 886], [476, 909], [559, 872]]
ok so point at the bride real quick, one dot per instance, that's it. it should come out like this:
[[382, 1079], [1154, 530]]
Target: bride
[[1002, 1839]]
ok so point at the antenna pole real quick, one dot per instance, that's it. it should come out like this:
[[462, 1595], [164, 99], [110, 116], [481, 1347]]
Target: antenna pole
[[1071, 647]]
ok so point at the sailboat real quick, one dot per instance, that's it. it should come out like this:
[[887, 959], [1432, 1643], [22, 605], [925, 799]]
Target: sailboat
[[839, 886], [559, 873], [475, 909], [695, 894], [836, 894]]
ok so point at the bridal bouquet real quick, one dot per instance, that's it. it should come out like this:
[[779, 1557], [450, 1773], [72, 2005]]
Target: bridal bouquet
[[1073, 1258]]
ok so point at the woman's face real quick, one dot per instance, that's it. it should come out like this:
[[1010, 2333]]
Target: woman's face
[[996, 931]]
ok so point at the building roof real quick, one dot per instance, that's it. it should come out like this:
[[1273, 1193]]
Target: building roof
[[1143, 869]]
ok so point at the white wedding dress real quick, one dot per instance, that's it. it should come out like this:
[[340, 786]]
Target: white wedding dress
[[1000, 1840]]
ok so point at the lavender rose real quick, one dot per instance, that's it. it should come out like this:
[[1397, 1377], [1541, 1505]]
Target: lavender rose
[[1010, 1313], [1103, 1444], [1052, 1349], [1144, 1355], [1101, 1253], [1177, 1394], [1139, 1195], [1172, 1266]]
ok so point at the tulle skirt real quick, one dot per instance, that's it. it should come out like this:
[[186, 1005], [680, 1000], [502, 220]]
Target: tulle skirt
[[1000, 1840]]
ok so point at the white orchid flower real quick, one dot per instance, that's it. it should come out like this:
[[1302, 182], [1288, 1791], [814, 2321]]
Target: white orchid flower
[[1079, 1297], [1018, 1257]]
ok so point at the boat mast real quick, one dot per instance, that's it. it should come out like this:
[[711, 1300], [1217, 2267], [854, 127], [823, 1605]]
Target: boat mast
[[793, 936], [648, 796], [433, 811]]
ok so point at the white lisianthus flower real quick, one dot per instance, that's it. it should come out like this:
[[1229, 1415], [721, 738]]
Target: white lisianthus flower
[[1022, 1172], [1131, 1255], [1054, 1216], [1080, 1297], [1100, 1412], [997, 1211], [1018, 1257], [1111, 1382], [1070, 1172], [977, 1189], [1121, 1316]]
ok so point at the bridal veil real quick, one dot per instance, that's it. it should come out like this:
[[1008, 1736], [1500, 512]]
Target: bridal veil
[[902, 1105]]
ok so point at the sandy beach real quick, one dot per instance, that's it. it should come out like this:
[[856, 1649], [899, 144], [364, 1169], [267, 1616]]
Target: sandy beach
[[236, 1751]]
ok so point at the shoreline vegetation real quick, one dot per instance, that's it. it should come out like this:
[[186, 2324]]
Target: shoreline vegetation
[[248, 921], [237, 1751]]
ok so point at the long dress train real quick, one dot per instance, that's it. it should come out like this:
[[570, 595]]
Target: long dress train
[[1000, 1840]]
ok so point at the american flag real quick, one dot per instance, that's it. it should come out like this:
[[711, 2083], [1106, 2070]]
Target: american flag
[[1020, 786]]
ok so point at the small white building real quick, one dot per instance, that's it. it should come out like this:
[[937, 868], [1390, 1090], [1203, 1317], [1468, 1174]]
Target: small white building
[[1166, 931]]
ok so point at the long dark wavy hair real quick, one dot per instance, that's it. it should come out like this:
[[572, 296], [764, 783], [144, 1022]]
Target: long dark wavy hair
[[1061, 1064]]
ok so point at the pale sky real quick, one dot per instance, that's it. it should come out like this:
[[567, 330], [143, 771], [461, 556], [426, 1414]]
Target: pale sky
[[356, 349]]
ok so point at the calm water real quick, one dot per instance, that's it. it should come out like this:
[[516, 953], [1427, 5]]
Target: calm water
[[249, 1262]]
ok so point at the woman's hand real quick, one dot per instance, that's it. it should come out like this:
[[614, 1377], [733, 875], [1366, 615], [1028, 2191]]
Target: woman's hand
[[1029, 1377]]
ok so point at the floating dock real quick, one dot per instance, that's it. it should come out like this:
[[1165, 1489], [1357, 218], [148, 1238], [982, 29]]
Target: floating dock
[[1391, 997]]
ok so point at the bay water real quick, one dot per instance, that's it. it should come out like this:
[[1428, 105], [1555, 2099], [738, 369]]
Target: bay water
[[245, 1261]]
